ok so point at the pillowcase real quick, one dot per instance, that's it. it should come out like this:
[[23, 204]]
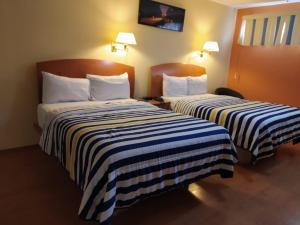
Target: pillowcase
[[197, 85], [103, 88], [121, 77], [174, 86], [64, 89]]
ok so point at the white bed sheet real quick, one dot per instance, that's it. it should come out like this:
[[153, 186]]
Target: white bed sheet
[[45, 112], [173, 100]]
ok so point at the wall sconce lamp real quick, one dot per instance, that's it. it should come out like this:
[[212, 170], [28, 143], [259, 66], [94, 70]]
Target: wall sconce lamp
[[120, 47], [209, 46]]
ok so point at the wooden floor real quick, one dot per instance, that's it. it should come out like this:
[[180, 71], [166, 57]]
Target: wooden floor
[[35, 190]]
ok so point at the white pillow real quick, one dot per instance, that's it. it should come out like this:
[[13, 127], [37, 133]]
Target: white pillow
[[121, 77], [197, 85], [174, 86], [103, 88], [64, 89]]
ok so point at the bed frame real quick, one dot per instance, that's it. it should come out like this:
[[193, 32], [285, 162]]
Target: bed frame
[[171, 69], [78, 68]]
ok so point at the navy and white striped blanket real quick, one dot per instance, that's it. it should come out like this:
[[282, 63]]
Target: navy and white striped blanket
[[259, 127], [121, 153]]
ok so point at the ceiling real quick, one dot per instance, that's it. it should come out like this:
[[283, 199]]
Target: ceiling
[[253, 3]]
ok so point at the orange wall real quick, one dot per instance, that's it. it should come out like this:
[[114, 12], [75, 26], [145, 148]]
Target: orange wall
[[265, 73]]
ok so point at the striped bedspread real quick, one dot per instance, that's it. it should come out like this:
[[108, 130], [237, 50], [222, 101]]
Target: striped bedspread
[[257, 126], [121, 153]]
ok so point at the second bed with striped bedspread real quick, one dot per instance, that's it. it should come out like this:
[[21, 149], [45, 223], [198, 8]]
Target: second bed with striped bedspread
[[120, 153], [259, 127]]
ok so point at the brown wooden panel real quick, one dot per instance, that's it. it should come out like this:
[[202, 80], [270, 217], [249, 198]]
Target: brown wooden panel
[[171, 69], [78, 68], [265, 73]]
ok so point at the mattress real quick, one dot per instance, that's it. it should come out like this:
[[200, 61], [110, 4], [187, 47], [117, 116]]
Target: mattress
[[45, 112], [259, 127], [121, 152]]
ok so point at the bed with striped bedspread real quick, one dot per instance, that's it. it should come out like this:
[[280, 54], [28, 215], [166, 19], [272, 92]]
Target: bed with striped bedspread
[[121, 153], [260, 127]]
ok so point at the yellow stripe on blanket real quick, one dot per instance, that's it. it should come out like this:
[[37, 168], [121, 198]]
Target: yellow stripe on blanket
[[92, 126], [228, 109]]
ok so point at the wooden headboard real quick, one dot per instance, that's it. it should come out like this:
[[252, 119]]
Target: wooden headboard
[[171, 69], [78, 68]]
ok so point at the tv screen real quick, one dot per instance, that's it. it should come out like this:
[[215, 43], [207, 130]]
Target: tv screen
[[161, 15]]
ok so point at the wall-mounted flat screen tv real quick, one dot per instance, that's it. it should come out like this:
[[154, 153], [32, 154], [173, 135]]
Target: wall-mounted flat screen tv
[[161, 15]]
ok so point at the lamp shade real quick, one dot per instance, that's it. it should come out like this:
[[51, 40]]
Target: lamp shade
[[126, 38], [211, 46]]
